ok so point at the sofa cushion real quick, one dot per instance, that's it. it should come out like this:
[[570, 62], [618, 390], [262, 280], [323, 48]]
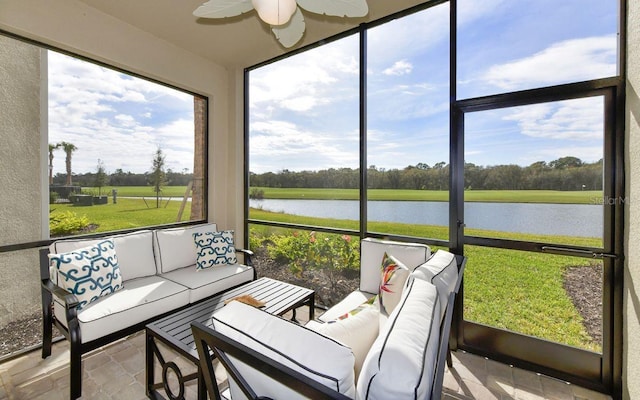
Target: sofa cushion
[[174, 247], [402, 360], [441, 270], [353, 300], [88, 272], [371, 252], [214, 248], [210, 281], [139, 300], [310, 353], [394, 275], [134, 250], [358, 331]]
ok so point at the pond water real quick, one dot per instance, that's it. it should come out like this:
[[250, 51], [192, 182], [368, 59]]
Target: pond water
[[585, 220]]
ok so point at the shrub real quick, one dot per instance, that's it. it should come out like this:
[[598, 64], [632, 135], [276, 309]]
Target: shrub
[[256, 193], [66, 223], [53, 197], [316, 251]]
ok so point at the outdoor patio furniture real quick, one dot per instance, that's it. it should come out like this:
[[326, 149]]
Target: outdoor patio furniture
[[268, 357], [155, 274], [174, 330]]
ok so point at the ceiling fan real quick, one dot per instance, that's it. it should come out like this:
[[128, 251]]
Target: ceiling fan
[[284, 16]]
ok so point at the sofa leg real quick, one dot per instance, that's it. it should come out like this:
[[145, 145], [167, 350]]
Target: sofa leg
[[75, 367], [75, 373], [47, 324]]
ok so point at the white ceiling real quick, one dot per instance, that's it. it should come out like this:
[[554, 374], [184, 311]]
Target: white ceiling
[[233, 42]]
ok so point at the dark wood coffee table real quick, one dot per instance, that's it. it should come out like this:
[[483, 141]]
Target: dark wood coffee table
[[175, 329]]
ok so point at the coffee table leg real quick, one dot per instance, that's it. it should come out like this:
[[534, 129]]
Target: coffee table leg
[[149, 376], [168, 368], [312, 306]]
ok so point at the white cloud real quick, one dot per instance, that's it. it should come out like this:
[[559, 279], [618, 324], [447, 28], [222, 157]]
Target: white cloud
[[304, 81], [116, 118], [570, 60], [402, 67], [276, 145], [571, 119]]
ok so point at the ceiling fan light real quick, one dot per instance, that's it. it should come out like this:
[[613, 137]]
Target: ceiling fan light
[[275, 12]]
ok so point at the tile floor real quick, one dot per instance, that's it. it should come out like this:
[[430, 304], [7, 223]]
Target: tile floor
[[117, 372]]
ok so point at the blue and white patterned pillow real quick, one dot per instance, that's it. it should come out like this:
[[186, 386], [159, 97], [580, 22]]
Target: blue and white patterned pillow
[[214, 248], [89, 272]]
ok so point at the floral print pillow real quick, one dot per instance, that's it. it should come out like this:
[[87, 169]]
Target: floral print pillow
[[394, 276]]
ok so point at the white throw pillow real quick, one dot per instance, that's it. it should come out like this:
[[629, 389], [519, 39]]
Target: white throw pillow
[[214, 248], [394, 276], [402, 361], [320, 358], [89, 272], [357, 331]]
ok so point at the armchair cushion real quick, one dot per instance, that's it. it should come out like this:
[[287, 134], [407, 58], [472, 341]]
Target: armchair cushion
[[351, 302], [442, 271], [310, 353], [371, 252], [358, 331], [410, 339]]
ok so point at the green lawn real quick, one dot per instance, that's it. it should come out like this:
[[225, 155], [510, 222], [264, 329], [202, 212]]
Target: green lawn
[[127, 213], [139, 191], [504, 196]]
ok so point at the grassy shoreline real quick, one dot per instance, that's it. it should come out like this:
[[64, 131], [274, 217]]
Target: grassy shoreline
[[500, 196]]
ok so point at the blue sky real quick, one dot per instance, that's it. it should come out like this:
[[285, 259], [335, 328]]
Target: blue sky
[[304, 109], [116, 118]]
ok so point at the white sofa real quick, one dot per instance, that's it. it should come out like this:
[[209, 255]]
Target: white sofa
[[158, 274], [367, 355]]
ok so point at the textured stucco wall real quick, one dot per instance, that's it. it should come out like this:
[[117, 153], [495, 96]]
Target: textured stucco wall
[[631, 355], [20, 176]]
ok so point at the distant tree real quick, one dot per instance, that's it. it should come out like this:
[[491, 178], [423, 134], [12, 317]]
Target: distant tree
[[101, 177], [566, 162], [52, 147], [68, 148], [157, 178]]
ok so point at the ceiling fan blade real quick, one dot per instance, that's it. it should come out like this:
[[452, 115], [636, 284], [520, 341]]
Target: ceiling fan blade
[[337, 8], [290, 33], [223, 8]]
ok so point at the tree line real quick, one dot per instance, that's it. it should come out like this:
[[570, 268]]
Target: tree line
[[121, 178], [565, 173]]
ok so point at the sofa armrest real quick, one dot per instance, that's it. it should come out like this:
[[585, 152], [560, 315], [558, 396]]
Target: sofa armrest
[[247, 256], [70, 300]]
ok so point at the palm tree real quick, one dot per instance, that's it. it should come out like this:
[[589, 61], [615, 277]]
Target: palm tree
[[68, 148], [52, 147]]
